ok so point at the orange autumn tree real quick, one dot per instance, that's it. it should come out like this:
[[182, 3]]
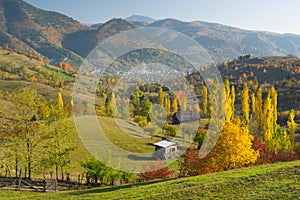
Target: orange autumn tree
[[233, 149]]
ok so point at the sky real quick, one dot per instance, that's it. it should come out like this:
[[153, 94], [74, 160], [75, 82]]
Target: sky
[[265, 15]]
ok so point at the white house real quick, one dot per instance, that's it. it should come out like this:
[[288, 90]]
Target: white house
[[165, 150]]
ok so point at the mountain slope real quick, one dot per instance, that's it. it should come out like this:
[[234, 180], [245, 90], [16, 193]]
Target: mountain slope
[[59, 37], [225, 42], [83, 41], [25, 27], [140, 18]]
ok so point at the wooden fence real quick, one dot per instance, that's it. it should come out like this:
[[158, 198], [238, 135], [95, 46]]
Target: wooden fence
[[28, 185]]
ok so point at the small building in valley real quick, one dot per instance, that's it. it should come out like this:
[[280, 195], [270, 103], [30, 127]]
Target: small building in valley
[[165, 150]]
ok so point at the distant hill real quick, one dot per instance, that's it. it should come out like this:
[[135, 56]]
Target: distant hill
[[58, 37], [225, 42], [27, 28], [140, 18], [83, 41]]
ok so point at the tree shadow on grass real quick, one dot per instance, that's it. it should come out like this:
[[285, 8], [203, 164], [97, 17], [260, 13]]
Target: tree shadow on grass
[[114, 188], [142, 158]]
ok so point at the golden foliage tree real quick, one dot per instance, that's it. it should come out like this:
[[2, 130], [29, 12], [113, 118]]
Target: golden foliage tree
[[292, 127], [233, 149], [60, 101], [267, 123], [204, 99], [167, 105], [175, 105], [230, 98], [274, 95], [161, 96], [253, 103], [245, 103], [258, 111]]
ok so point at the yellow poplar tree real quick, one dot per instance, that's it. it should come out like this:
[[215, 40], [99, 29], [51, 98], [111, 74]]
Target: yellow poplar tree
[[175, 104], [268, 121], [253, 103], [60, 101], [245, 103], [258, 111], [229, 108], [232, 99], [274, 109], [161, 96], [204, 99], [292, 127], [168, 105]]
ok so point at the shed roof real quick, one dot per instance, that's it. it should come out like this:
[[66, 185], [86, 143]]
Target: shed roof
[[164, 143]]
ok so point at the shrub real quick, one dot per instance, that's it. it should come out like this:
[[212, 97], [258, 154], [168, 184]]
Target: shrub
[[155, 170]]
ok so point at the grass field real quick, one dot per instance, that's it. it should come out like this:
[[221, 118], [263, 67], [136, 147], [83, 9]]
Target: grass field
[[17, 59], [130, 138], [123, 138], [46, 91], [276, 181]]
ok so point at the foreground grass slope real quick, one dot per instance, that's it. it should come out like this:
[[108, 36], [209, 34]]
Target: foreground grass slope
[[277, 181]]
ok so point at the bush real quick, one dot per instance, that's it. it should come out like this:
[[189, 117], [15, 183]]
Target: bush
[[154, 171], [171, 131], [141, 120]]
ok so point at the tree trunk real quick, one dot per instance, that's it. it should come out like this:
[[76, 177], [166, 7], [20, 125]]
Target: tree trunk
[[62, 174], [29, 170], [56, 172], [25, 175], [96, 179], [16, 167]]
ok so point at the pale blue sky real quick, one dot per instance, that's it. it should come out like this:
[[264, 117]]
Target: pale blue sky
[[267, 15]]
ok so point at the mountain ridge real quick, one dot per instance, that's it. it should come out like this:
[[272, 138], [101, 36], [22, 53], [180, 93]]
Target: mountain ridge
[[59, 37], [140, 18]]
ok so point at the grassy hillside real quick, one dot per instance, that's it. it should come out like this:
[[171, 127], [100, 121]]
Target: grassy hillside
[[132, 142], [21, 67], [277, 181]]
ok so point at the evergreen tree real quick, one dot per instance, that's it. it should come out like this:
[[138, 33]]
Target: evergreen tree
[[108, 106]]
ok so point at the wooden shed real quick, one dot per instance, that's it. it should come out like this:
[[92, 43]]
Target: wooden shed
[[165, 150]]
